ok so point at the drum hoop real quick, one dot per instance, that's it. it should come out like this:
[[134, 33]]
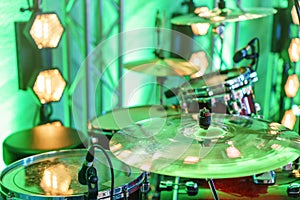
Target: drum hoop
[[127, 188], [118, 191]]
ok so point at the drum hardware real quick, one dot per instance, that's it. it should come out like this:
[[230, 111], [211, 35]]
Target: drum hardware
[[87, 175], [266, 178], [293, 190], [92, 182], [228, 91], [145, 188], [204, 118], [191, 188]]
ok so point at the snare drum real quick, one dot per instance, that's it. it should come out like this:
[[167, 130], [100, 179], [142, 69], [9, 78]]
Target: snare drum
[[53, 175], [229, 91], [103, 127]]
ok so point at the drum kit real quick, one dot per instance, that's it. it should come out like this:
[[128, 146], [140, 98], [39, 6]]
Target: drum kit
[[215, 134]]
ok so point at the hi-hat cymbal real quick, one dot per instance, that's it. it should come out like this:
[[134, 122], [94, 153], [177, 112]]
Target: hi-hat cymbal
[[233, 146], [163, 67], [229, 15]]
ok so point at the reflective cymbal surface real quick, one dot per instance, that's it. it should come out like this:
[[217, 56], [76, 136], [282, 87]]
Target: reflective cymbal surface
[[163, 67], [233, 146], [228, 15]]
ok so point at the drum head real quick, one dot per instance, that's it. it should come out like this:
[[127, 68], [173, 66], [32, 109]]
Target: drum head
[[118, 118], [54, 175]]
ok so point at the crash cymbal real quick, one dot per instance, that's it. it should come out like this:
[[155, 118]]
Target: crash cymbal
[[227, 15], [232, 146], [163, 67]]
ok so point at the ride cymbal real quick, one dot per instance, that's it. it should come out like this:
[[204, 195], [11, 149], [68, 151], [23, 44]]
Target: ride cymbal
[[163, 67], [232, 146], [225, 15]]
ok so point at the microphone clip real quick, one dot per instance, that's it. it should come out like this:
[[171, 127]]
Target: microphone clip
[[92, 182]]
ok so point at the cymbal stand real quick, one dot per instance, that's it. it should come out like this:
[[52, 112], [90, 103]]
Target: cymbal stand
[[160, 85], [176, 187], [159, 54], [209, 181], [219, 32], [212, 188]]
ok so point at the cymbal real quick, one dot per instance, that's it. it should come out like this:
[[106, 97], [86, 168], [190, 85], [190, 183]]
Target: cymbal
[[232, 146], [163, 67], [229, 15]]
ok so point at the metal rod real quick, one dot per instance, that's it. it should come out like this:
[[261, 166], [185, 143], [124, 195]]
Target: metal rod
[[212, 189], [65, 65], [120, 67], [86, 74], [176, 187]]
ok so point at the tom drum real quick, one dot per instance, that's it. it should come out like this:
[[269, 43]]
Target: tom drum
[[229, 91]]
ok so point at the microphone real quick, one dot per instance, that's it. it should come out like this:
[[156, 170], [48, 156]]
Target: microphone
[[82, 179], [243, 53]]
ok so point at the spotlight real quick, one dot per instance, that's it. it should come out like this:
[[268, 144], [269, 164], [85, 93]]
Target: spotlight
[[294, 14], [200, 60], [294, 50], [289, 119], [48, 87], [201, 28], [45, 29], [291, 86]]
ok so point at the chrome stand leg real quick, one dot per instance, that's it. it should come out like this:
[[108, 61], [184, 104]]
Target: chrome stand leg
[[176, 187], [212, 189]]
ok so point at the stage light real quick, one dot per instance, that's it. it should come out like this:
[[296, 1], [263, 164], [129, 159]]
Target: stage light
[[289, 119], [201, 28], [294, 14], [199, 59], [291, 86], [45, 29], [49, 86], [294, 50]]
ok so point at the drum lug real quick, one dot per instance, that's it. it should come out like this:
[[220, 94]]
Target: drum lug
[[145, 187], [10, 196], [126, 192]]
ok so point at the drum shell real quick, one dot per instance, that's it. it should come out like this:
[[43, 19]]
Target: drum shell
[[13, 187]]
